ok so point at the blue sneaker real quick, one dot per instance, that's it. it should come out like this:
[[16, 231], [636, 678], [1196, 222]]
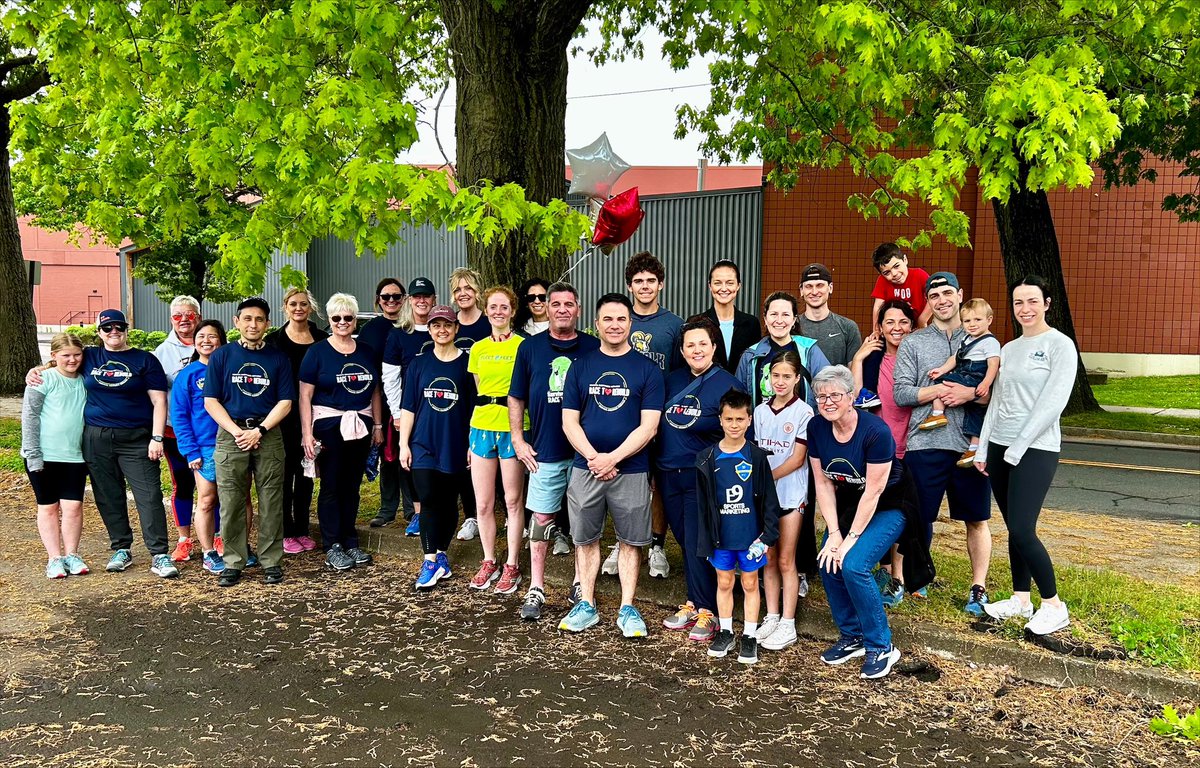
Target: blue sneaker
[[878, 664], [213, 563], [867, 399], [414, 526], [75, 565], [56, 568], [631, 622], [251, 558], [443, 562], [843, 650], [429, 575], [976, 600], [922, 593], [120, 560], [893, 595], [582, 616]]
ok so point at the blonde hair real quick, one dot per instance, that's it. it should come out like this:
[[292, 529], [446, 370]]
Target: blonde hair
[[63, 341], [405, 321], [977, 305], [472, 277], [312, 300], [341, 302]]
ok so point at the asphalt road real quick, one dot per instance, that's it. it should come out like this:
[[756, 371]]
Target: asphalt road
[[1146, 483]]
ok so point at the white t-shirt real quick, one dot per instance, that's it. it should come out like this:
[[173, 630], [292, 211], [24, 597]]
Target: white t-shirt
[[777, 433], [986, 347]]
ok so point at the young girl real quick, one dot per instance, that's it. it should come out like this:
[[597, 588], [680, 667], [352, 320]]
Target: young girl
[[51, 444], [780, 426], [196, 433]]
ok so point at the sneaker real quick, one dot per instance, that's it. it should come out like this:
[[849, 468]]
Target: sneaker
[[922, 593], [562, 544], [443, 562], [381, 520], [933, 422], [631, 623], [967, 459], [273, 575], [783, 636], [722, 644], [229, 577], [765, 629], [414, 526], [360, 556], [683, 619], [213, 563], [580, 617], [803, 586], [75, 565], [510, 579], [893, 595], [56, 568], [251, 558], [219, 545], [977, 598], [575, 595], [531, 607], [659, 567], [469, 530], [292, 545], [610, 563], [1049, 619], [883, 580], [427, 577], [866, 399], [486, 575], [843, 650], [704, 628], [877, 664], [748, 650], [1011, 608], [307, 543], [183, 551], [120, 560], [338, 559], [162, 567]]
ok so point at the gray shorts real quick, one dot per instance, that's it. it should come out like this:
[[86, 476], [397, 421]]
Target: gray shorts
[[625, 497]]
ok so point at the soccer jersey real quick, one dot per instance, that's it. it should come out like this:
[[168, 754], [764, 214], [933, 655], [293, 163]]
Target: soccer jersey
[[492, 362], [440, 396], [735, 499], [777, 433], [249, 382], [610, 394], [539, 375], [691, 419], [117, 386], [911, 292], [345, 381]]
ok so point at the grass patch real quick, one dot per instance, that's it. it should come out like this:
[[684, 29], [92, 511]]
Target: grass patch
[[1134, 422], [1151, 392], [10, 446]]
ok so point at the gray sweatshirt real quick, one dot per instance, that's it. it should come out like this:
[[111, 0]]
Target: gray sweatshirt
[[1037, 374], [174, 356], [919, 353]]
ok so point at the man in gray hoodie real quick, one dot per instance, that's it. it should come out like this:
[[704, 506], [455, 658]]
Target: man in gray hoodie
[[932, 455]]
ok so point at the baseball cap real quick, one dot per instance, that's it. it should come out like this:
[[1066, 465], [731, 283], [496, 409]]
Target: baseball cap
[[111, 316], [816, 272], [940, 279], [442, 312], [421, 286]]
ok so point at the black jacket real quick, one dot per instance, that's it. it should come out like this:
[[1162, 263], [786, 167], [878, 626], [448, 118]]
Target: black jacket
[[919, 570], [746, 332], [766, 501]]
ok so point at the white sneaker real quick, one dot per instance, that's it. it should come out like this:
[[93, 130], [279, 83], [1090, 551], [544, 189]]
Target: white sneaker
[[610, 563], [469, 530], [1003, 610], [803, 586], [783, 636], [769, 625], [1048, 619], [659, 567]]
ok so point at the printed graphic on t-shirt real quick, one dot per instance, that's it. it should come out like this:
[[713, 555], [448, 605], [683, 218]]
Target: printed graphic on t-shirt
[[685, 413], [842, 471], [200, 383], [354, 378], [641, 341], [441, 394], [558, 377], [251, 379], [112, 373], [610, 391]]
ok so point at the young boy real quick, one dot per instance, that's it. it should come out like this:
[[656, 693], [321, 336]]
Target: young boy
[[897, 280], [739, 520], [974, 365]]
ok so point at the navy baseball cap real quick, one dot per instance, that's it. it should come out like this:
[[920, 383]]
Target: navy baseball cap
[[940, 279], [111, 316], [421, 286]]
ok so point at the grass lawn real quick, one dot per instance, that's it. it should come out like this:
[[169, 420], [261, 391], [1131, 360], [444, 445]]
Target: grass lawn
[[1134, 422], [1151, 392]]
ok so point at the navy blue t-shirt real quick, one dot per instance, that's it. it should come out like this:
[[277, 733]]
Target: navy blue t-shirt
[[117, 384], [846, 463], [735, 499], [249, 382], [441, 397], [469, 334], [345, 382], [539, 374], [610, 393], [375, 335], [403, 346], [691, 422]]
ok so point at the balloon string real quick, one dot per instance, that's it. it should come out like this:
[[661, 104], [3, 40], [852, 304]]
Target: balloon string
[[587, 252]]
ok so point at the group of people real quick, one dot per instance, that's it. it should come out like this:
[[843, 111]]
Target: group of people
[[704, 427]]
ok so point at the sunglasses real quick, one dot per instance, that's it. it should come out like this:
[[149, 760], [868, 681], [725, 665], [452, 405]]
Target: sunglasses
[[532, 297], [110, 327], [391, 297], [338, 319], [185, 316]]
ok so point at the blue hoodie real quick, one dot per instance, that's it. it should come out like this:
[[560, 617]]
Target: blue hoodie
[[194, 428], [657, 337]]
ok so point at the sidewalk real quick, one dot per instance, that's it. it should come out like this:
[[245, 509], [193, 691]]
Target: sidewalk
[[1180, 413]]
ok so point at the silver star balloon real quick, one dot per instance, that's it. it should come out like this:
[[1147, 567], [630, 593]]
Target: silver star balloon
[[595, 168]]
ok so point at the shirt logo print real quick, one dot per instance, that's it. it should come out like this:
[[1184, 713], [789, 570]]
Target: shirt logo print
[[685, 413], [354, 378], [610, 391], [251, 380], [441, 394], [112, 374]]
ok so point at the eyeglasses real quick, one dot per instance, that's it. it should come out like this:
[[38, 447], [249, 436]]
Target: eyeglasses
[[110, 327], [532, 297], [391, 297], [339, 319], [185, 316], [833, 397]]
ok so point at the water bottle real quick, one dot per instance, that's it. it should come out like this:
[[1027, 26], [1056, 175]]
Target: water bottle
[[310, 465]]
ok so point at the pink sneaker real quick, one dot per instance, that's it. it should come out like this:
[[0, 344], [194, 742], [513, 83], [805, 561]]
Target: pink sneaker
[[488, 573], [307, 542], [292, 545], [510, 579]]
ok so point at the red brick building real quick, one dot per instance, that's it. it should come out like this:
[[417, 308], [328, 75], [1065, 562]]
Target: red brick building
[[77, 280]]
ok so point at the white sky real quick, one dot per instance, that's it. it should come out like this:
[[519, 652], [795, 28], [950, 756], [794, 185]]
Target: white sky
[[640, 126]]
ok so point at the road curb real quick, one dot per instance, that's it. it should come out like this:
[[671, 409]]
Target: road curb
[[1129, 438], [1020, 660]]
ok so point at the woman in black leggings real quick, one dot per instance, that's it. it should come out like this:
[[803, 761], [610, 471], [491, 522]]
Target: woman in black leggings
[[1019, 448]]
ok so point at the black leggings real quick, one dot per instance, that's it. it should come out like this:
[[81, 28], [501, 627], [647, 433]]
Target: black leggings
[[342, 463], [1019, 493], [438, 494], [297, 489]]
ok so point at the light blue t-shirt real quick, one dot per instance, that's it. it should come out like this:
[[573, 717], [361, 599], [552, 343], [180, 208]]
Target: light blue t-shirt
[[61, 433], [727, 335]]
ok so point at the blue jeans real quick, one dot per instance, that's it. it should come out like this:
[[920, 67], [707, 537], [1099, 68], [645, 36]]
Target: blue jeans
[[853, 595], [678, 490]]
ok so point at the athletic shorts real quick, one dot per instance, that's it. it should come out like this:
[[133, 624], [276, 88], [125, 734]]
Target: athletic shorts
[[726, 559], [489, 444], [547, 487], [936, 474], [625, 497], [58, 481], [208, 470]]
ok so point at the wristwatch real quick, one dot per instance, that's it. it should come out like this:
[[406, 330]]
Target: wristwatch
[[262, 429], [156, 438], [852, 535]]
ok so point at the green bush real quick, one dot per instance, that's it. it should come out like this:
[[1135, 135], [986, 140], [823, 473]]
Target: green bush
[[138, 338], [1173, 726]]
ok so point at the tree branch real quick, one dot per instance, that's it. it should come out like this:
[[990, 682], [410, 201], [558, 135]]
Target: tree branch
[[8, 65], [26, 88]]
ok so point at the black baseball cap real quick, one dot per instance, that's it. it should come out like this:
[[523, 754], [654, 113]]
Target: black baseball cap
[[421, 286], [816, 272]]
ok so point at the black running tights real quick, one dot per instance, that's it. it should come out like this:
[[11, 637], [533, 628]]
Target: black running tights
[[1020, 492]]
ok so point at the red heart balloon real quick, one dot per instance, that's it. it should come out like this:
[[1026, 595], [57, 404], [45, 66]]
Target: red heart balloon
[[619, 218]]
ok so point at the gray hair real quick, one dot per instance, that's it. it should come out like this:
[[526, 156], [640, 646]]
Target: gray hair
[[834, 375], [183, 300], [341, 302]]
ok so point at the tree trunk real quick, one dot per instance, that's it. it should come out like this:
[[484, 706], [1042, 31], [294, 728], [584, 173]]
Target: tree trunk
[[510, 68], [19, 352], [1029, 246]]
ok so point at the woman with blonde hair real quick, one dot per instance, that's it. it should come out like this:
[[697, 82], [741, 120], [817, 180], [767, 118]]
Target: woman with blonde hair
[[465, 290]]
